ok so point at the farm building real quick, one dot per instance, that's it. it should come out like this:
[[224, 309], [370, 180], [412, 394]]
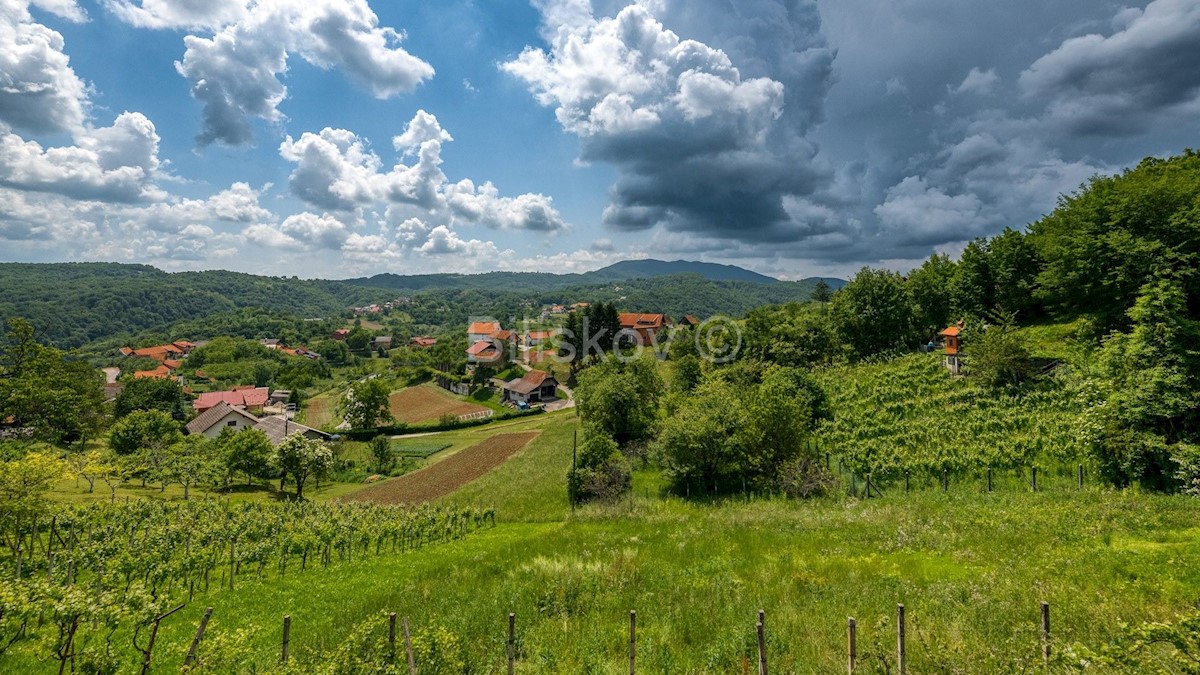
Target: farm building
[[422, 342], [534, 387], [537, 337], [484, 352], [482, 330]]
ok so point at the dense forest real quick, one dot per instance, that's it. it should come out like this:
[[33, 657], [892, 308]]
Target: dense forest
[[105, 304], [72, 304]]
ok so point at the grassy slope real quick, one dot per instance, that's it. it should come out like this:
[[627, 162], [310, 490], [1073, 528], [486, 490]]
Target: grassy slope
[[970, 567]]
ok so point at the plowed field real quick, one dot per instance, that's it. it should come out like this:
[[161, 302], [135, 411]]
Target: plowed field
[[427, 403], [447, 475]]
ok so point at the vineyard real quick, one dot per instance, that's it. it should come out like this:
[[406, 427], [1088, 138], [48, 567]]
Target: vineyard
[[911, 415], [76, 577]]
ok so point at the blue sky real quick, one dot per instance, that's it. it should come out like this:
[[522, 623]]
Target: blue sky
[[337, 138]]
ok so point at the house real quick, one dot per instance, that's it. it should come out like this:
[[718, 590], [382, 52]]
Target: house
[[484, 352], [536, 337], [642, 329], [279, 427], [952, 337], [340, 334], [271, 343], [251, 398], [535, 386], [279, 396], [482, 330], [688, 321], [558, 309], [382, 342], [219, 417], [422, 342], [580, 305], [159, 373]]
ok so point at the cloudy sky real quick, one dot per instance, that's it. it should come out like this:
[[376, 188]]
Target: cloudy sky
[[335, 138]]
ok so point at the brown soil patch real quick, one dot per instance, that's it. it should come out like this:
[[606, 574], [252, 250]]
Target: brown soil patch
[[446, 476], [427, 403]]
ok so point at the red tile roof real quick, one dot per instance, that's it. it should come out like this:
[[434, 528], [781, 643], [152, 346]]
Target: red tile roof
[[634, 320], [502, 335], [483, 328], [251, 397], [161, 372], [480, 348], [541, 334], [952, 331]]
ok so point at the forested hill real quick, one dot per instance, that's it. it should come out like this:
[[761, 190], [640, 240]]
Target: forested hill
[[544, 281], [71, 304]]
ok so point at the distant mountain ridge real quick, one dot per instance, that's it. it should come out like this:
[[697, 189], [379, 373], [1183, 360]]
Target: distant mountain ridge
[[73, 304], [647, 268]]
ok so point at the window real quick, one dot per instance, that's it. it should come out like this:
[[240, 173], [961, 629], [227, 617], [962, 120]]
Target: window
[[231, 423]]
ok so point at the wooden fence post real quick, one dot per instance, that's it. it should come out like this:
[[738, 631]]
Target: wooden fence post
[[191, 653], [945, 479], [852, 639], [762, 644], [287, 635], [901, 663], [1080, 476], [512, 639], [989, 479], [1033, 477], [906, 481], [392, 635], [632, 641], [412, 663], [153, 635], [1046, 632]]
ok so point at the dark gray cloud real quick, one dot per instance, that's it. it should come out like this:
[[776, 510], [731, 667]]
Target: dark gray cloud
[[703, 107]]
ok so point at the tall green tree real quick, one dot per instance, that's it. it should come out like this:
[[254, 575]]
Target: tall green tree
[[1149, 374], [142, 438], [873, 313], [931, 289], [1014, 264], [366, 404], [620, 400], [57, 398], [792, 335], [151, 393], [247, 452], [973, 282]]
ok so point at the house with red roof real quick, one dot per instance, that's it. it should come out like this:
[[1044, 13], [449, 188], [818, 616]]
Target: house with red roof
[[642, 329], [249, 398], [534, 386]]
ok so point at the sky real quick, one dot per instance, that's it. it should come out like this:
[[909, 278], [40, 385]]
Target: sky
[[341, 138]]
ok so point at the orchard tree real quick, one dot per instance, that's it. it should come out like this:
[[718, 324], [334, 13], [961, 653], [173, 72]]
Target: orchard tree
[[998, 355], [24, 483], [303, 458], [247, 451], [194, 460], [142, 438], [366, 405]]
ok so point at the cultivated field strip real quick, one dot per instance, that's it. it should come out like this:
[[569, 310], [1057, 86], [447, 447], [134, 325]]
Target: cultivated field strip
[[449, 474], [427, 403]]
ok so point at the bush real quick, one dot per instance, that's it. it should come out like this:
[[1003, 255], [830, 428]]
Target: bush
[[801, 478], [601, 472]]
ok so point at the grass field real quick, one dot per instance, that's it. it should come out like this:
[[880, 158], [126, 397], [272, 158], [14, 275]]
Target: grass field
[[442, 478], [320, 411], [426, 403]]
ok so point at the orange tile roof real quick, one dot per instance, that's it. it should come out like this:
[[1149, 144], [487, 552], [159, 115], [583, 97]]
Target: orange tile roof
[[479, 348], [161, 372], [251, 397], [483, 327], [952, 331], [634, 320]]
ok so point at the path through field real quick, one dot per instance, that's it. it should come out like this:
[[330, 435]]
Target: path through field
[[449, 474], [427, 403]]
